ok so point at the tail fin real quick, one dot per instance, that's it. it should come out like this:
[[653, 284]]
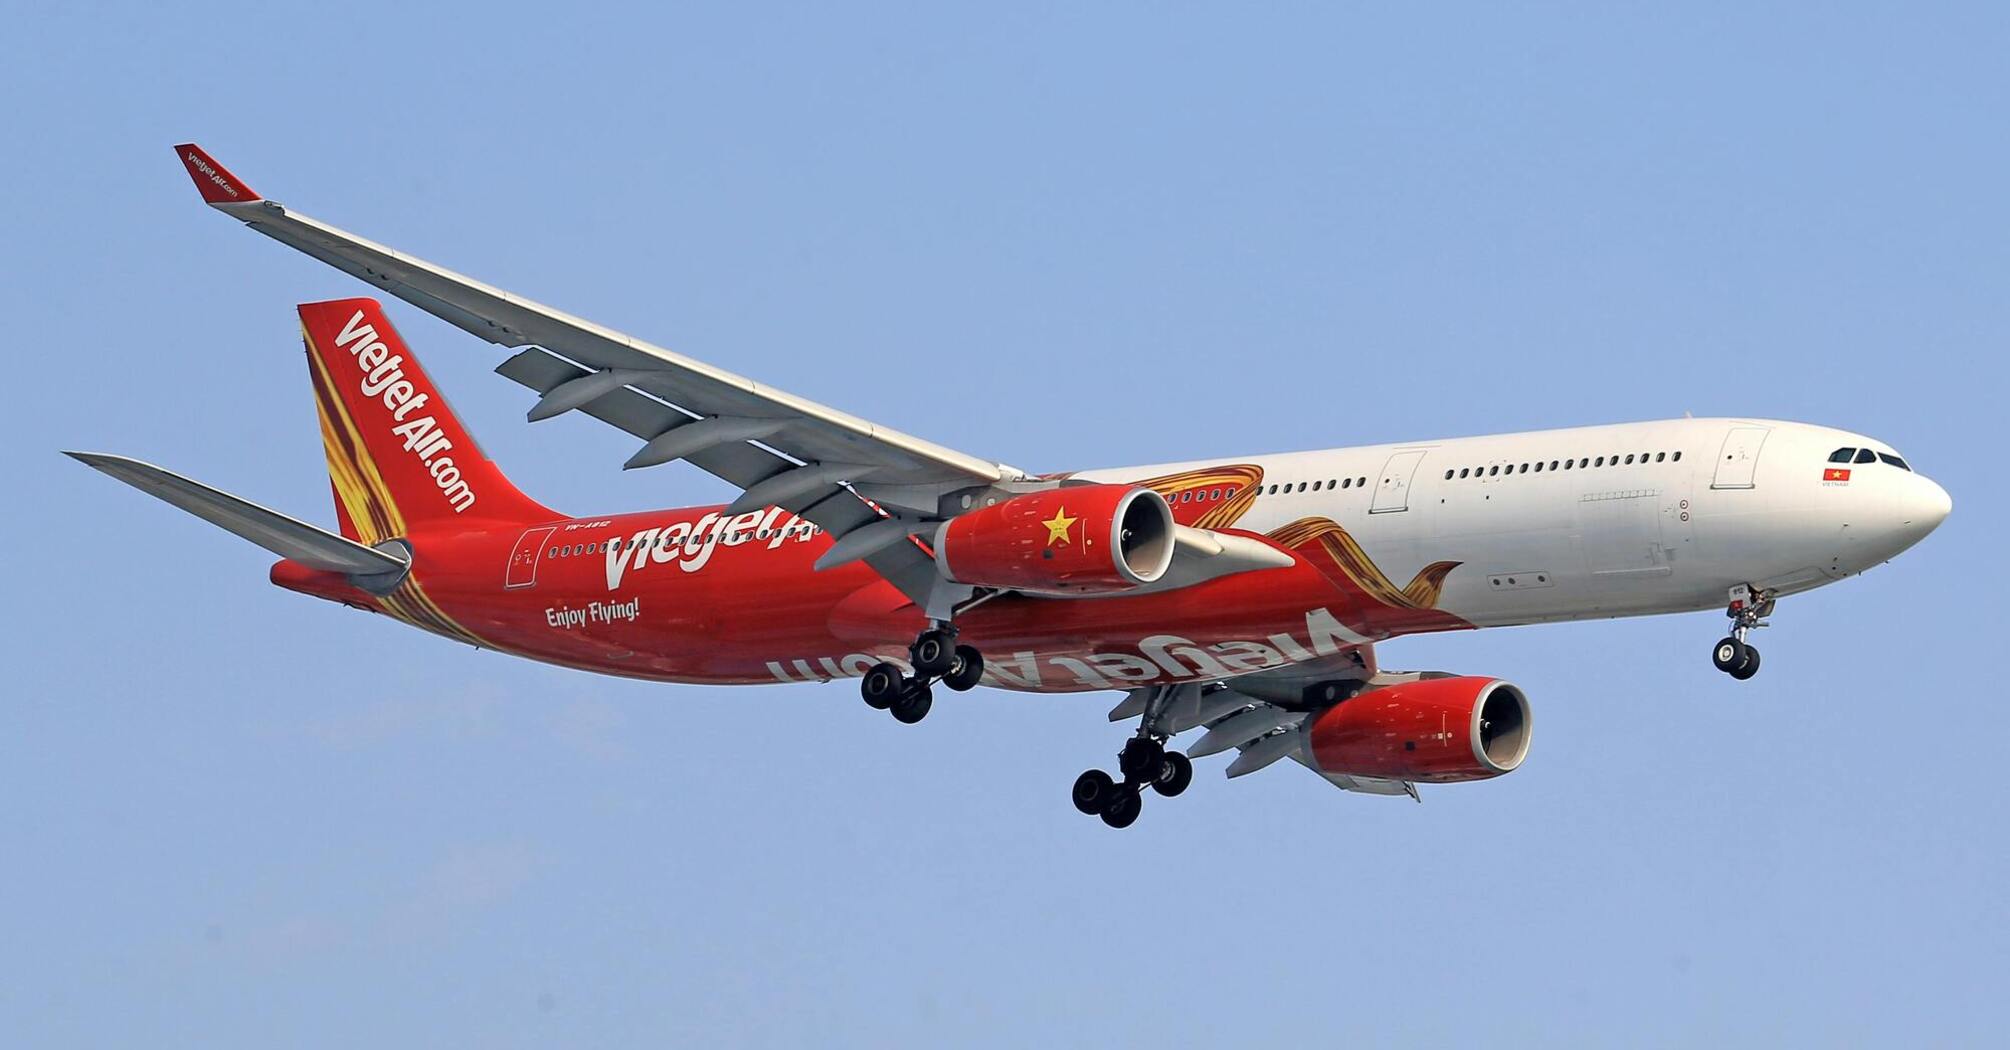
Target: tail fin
[[398, 457]]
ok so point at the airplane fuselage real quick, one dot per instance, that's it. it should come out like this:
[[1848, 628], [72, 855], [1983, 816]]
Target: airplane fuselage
[[1385, 540]]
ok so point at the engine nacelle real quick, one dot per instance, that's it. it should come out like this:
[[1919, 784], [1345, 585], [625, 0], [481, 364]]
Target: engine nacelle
[[1436, 730], [1082, 539]]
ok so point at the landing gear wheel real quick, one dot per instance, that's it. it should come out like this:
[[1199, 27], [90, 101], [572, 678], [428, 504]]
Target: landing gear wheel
[[1093, 791], [881, 685], [1123, 809], [1140, 759], [912, 704], [1748, 668], [965, 670], [1729, 655], [934, 653], [1175, 773]]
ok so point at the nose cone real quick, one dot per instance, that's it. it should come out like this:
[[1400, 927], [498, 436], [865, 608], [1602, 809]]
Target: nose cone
[[1916, 508], [1926, 505]]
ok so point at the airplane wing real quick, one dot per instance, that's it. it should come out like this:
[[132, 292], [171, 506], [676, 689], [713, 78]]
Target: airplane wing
[[1260, 715], [811, 459]]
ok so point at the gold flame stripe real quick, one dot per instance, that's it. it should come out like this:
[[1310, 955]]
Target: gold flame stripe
[[367, 499], [1244, 479], [1423, 591]]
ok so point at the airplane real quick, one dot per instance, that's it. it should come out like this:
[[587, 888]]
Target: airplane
[[1242, 597]]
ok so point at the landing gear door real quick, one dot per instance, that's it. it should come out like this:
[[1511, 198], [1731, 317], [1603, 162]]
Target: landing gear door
[[1393, 493], [523, 560], [1738, 463]]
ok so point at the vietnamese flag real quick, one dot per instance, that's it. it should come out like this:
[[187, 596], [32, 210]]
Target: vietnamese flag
[[1836, 474]]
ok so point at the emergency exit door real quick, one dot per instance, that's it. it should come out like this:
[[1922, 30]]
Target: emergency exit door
[[523, 560], [1393, 493]]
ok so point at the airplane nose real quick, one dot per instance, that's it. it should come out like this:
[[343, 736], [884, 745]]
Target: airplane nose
[[1931, 506], [1924, 506]]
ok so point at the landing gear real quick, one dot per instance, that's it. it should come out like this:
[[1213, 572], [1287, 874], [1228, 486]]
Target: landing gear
[[936, 657], [1733, 655], [1174, 774], [1093, 791], [912, 704], [934, 652], [880, 685], [965, 670], [1144, 763], [1738, 659], [1123, 810]]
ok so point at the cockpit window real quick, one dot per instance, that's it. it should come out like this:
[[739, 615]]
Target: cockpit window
[[1864, 455], [1894, 461], [1841, 455]]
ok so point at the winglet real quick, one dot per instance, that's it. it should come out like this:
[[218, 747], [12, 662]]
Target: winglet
[[216, 185]]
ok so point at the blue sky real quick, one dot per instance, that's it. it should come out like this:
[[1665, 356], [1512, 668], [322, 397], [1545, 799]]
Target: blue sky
[[1063, 237]]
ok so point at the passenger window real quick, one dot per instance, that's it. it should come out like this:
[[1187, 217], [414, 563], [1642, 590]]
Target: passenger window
[[1841, 455], [1493, 471], [1524, 468], [1448, 475], [1301, 486], [1465, 472], [1346, 483], [1629, 459], [1678, 457], [1316, 485], [1599, 462], [1864, 455], [1660, 457], [1360, 481]]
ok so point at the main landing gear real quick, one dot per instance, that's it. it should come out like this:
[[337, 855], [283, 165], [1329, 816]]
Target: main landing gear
[[1144, 763], [1748, 610], [936, 657]]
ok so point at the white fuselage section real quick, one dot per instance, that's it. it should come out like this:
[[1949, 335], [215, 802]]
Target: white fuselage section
[[1592, 522]]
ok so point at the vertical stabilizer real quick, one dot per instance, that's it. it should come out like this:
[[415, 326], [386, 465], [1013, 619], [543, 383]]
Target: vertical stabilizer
[[398, 457]]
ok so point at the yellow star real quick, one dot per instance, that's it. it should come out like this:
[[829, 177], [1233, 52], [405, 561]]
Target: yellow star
[[1058, 526]]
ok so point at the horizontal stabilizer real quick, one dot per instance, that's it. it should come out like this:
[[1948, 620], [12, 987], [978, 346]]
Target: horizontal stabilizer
[[287, 537]]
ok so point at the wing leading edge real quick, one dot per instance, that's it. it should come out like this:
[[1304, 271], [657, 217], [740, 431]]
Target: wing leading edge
[[808, 455]]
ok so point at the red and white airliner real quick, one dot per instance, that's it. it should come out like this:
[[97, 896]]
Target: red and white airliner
[[1240, 597]]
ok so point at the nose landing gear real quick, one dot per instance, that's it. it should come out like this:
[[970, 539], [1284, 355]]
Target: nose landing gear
[[1733, 655], [936, 658]]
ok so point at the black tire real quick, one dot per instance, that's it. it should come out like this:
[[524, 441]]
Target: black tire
[[1728, 654], [934, 653], [881, 685], [1123, 809], [1093, 791], [1175, 773], [1139, 760], [1750, 667], [967, 671], [912, 704]]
